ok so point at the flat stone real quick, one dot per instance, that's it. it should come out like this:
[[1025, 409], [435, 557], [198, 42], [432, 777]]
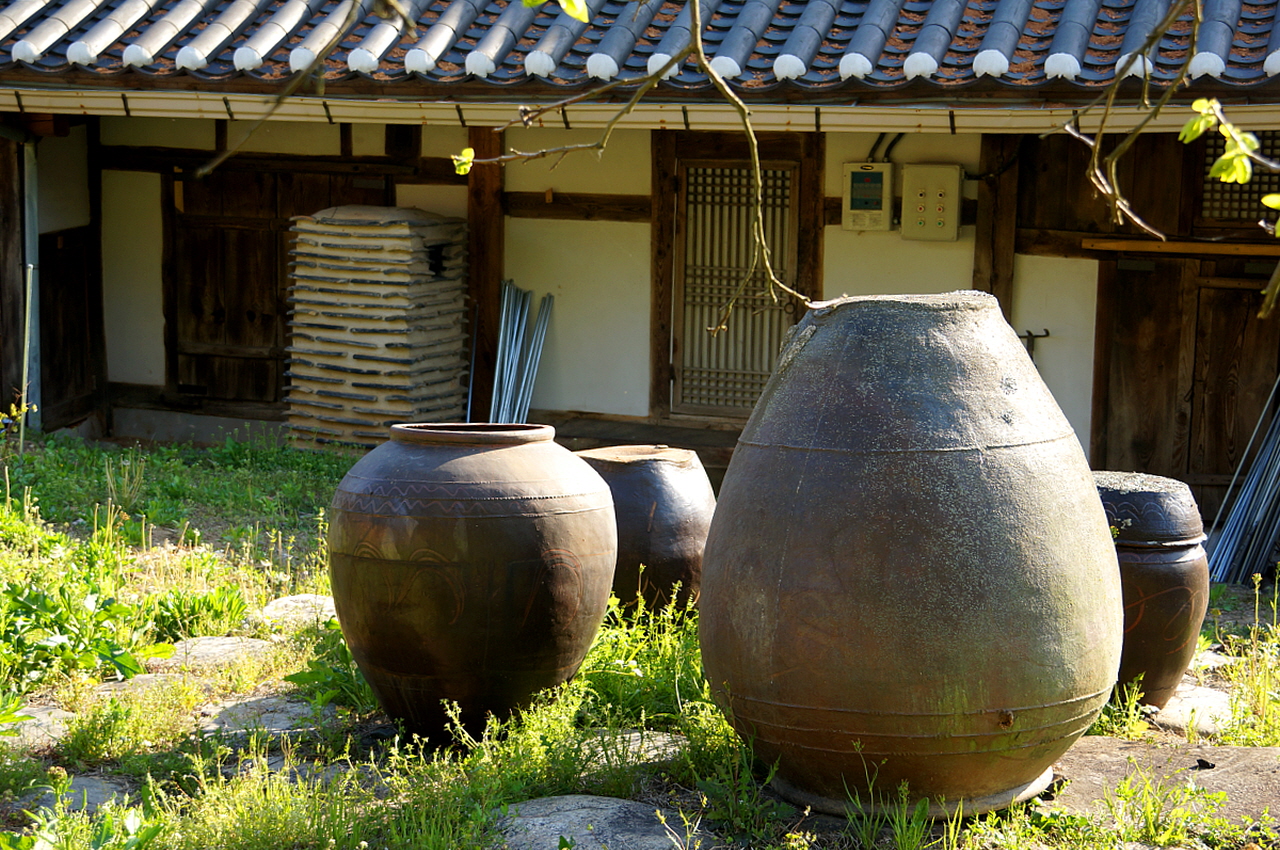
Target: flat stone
[[635, 746], [591, 823], [1250, 776], [1208, 708], [273, 715], [203, 653], [47, 725], [138, 684], [302, 609], [86, 794]]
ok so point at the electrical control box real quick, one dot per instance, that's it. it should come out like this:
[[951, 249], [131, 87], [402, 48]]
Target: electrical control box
[[931, 202], [868, 196]]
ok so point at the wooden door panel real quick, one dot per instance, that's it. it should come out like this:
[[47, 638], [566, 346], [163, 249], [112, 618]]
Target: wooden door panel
[[200, 314], [1147, 414], [72, 340], [1235, 368], [251, 288]]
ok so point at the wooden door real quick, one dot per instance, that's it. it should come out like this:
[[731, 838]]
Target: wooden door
[[701, 247], [1185, 369], [227, 304], [73, 374], [716, 266]]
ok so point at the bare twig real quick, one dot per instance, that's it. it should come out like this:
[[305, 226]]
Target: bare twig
[[382, 8], [1103, 169]]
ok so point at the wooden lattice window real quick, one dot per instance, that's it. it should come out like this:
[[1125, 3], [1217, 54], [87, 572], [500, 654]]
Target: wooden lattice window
[[1238, 202], [725, 373]]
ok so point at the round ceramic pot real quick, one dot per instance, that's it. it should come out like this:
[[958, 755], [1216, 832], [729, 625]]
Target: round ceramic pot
[[1164, 575], [909, 576], [664, 502], [469, 563]]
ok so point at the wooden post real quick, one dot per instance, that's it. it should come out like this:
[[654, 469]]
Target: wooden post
[[662, 268], [11, 271], [486, 228], [997, 219]]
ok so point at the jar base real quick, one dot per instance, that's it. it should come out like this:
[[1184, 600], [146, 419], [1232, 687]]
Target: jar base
[[946, 808]]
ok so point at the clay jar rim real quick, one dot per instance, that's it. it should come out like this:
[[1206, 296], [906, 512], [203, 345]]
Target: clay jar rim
[[472, 433]]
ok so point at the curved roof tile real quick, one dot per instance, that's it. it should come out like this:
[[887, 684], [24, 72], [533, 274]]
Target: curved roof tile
[[781, 50]]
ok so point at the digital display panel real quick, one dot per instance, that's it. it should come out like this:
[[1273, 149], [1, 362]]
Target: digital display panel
[[865, 190]]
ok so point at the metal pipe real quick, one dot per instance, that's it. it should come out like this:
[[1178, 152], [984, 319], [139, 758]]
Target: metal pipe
[[31, 384]]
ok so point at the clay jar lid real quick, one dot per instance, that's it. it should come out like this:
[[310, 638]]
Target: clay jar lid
[[627, 455], [1149, 510], [471, 433]]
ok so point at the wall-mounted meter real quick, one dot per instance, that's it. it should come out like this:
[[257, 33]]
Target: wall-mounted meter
[[868, 196], [931, 202]]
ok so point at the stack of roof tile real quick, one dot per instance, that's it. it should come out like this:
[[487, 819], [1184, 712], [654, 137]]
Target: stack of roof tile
[[377, 323]]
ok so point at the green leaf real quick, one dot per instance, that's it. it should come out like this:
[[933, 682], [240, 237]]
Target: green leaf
[[462, 161], [1272, 201], [1203, 105], [576, 9], [1195, 128]]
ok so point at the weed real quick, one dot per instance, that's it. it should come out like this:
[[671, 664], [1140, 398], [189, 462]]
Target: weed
[[1123, 715], [1155, 810], [157, 718], [182, 613], [125, 476], [1255, 679], [332, 675]]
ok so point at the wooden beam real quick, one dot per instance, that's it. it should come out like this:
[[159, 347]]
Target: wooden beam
[[12, 273], [662, 268], [1186, 249], [809, 251], [486, 229], [165, 160], [578, 207], [997, 219]]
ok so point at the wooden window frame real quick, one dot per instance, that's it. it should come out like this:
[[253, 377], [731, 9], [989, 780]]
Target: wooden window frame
[[669, 148]]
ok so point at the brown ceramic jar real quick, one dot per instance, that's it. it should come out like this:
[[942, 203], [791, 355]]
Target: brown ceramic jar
[[909, 576], [471, 563], [664, 501], [1164, 575]]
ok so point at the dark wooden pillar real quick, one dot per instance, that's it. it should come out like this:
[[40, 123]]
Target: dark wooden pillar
[[12, 296], [662, 228], [997, 219], [486, 226]]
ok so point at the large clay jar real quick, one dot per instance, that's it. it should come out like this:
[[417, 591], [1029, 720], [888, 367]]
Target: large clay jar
[[664, 503], [470, 563], [909, 577], [1164, 576]]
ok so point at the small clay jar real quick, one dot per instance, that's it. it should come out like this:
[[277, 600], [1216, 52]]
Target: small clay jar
[[1164, 576], [664, 501]]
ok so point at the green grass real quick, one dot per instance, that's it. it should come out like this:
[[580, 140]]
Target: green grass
[[130, 548]]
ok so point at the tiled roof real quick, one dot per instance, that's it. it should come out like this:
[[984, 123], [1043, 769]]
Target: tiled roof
[[775, 49]]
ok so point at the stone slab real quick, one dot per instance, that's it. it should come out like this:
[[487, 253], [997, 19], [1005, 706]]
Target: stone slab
[[591, 823], [206, 653], [1250, 776], [299, 610]]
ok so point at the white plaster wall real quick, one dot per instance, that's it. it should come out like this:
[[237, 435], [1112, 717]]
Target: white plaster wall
[[596, 356], [296, 137], [623, 168], [882, 262], [368, 139], [449, 201], [443, 141], [132, 244], [1060, 295], [63, 181], [162, 132]]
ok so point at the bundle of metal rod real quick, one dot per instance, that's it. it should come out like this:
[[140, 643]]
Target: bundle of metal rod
[[519, 352], [1252, 529]]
